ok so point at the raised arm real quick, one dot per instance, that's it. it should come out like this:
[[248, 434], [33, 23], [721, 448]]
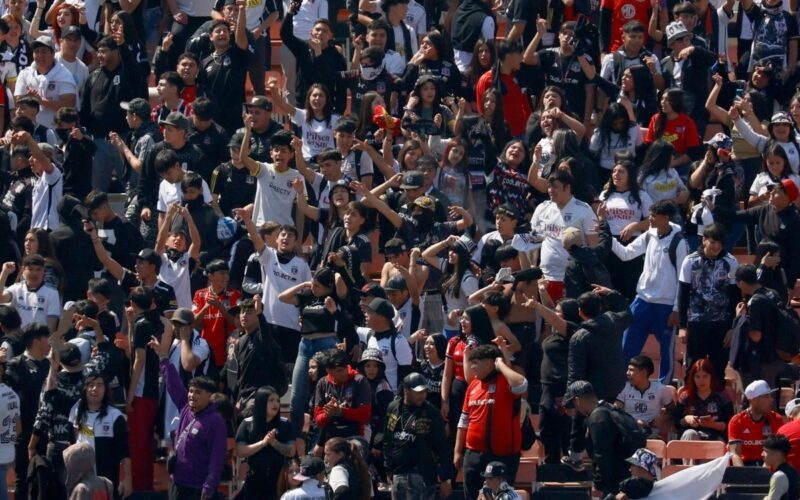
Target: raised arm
[[163, 229], [431, 254], [240, 37], [290, 296], [244, 151], [277, 99], [8, 268], [529, 57], [302, 204], [713, 108], [378, 204], [104, 256], [252, 230], [300, 162]]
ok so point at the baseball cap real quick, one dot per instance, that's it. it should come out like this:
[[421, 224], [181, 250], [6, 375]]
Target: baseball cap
[[676, 30], [373, 289], [149, 255], [425, 203], [183, 315], [507, 209], [138, 107], [791, 407], [309, 468], [781, 118], [395, 246], [396, 283], [71, 30], [575, 389], [721, 141], [382, 307], [259, 101], [415, 382], [465, 244], [44, 41], [70, 355], [495, 469], [175, 119], [790, 188], [645, 459], [236, 140], [757, 388], [412, 180]]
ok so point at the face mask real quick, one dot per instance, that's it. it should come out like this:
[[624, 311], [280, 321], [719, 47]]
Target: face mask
[[173, 254], [372, 73], [193, 204]]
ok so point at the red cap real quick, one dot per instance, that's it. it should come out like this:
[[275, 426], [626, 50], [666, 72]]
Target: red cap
[[790, 188]]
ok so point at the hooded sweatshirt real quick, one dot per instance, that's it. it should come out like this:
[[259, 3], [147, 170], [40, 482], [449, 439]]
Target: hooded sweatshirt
[[82, 482], [355, 399]]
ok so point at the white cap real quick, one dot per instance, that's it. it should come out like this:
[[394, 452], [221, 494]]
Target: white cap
[[676, 30], [791, 407], [757, 388]]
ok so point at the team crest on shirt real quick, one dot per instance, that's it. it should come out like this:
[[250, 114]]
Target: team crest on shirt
[[575, 67], [712, 407], [116, 80], [226, 61], [567, 217], [294, 269], [445, 71], [51, 86], [628, 11]]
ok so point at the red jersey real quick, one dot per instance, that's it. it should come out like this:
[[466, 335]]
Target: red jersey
[[516, 106], [751, 434], [455, 351], [680, 132], [792, 432], [189, 93], [215, 328], [622, 12], [489, 408]]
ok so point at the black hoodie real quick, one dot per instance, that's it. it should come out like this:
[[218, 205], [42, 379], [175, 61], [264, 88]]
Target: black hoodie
[[73, 249]]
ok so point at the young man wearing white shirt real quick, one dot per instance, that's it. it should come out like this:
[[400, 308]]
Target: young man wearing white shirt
[[67, 55], [550, 219], [168, 166], [35, 301], [402, 38], [48, 189], [655, 308], [642, 398], [178, 257]]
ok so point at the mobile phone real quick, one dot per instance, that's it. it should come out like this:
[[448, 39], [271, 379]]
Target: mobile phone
[[739, 92]]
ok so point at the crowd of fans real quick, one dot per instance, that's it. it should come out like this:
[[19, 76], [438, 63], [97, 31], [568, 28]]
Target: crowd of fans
[[423, 232]]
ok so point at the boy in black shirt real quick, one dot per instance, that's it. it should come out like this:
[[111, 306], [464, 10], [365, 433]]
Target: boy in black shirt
[[208, 136], [232, 186]]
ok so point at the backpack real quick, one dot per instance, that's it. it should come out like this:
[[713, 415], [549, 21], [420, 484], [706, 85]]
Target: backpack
[[528, 433], [787, 329], [673, 247], [631, 434]]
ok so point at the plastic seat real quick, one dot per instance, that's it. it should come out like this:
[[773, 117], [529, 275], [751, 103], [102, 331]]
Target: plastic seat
[[658, 447], [694, 450], [669, 469]]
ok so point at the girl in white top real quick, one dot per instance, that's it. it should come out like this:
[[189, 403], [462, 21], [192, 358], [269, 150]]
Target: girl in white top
[[658, 179], [626, 206], [618, 132], [774, 169], [316, 121]]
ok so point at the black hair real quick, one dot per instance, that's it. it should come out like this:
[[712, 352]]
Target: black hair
[[3, 27], [66, 114], [379, 24], [486, 351], [677, 101], [107, 43], [261, 399], [657, 159], [643, 362], [747, 273], [570, 310], [33, 331], [715, 231], [142, 297], [664, 207], [203, 383], [590, 304], [95, 199], [440, 343], [614, 112], [281, 138], [165, 159], [9, 318], [765, 247], [633, 27], [100, 286], [174, 79], [28, 101], [335, 358], [191, 180], [562, 176], [625, 160], [453, 274], [329, 154], [219, 22], [777, 442], [33, 259], [83, 404], [289, 229], [87, 307], [506, 47], [203, 108], [505, 252], [189, 55], [374, 54], [480, 323], [346, 125], [775, 149], [216, 266], [497, 299]]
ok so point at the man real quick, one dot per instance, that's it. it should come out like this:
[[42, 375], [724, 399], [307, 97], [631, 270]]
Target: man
[[516, 105], [224, 70], [603, 436], [75, 152], [506, 219], [134, 146], [492, 396], [616, 18], [48, 187], [169, 88], [317, 60], [655, 307], [207, 135], [495, 484], [631, 52], [67, 55], [643, 399], [401, 37], [259, 109], [356, 162], [377, 36], [73, 249], [397, 355], [760, 307], [46, 81], [595, 355], [35, 301], [119, 236], [343, 401], [550, 219], [231, 184], [775, 35], [748, 428], [791, 430], [173, 177], [116, 80], [311, 478], [414, 452], [28, 107], [784, 482], [200, 442], [257, 356]]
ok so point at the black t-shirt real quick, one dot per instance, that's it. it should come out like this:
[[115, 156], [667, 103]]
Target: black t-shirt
[[164, 293], [762, 315], [235, 186], [433, 376], [225, 75], [268, 458], [565, 72], [313, 315], [526, 10], [213, 142], [147, 325]]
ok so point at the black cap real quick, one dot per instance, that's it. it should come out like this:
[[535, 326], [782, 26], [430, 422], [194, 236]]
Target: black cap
[[412, 180], [176, 119], [310, 467], [138, 107], [382, 307], [149, 255], [259, 101], [395, 246], [183, 315], [495, 469], [415, 382], [575, 389], [507, 209], [236, 140], [373, 289], [396, 283], [70, 355]]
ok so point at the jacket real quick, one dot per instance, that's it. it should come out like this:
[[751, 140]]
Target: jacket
[[201, 438], [414, 440], [82, 481], [585, 266], [595, 350], [603, 444]]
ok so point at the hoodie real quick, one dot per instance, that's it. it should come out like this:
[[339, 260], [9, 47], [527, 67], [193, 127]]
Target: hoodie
[[355, 400], [82, 482], [73, 248], [595, 350]]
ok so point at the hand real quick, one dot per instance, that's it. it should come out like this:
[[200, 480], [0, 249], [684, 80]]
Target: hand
[[445, 489], [316, 45], [9, 267], [601, 290], [458, 460], [297, 143], [717, 79], [125, 488], [741, 308], [166, 43], [685, 53], [650, 62], [359, 43], [181, 18], [415, 254], [413, 101], [270, 437], [335, 259], [396, 180], [726, 342], [242, 214], [122, 342], [683, 335], [116, 140], [541, 25], [359, 188], [330, 305], [20, 138], [173, 209], [627, 232], [146, 214], [672, 321], [417, 336], [76, 134], [257, 32], [299, 185], [456, 211], [500, 342], [437, 120], [119, 37], [733, 113]]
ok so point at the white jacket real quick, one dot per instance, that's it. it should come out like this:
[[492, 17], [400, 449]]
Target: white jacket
[[658, 283]]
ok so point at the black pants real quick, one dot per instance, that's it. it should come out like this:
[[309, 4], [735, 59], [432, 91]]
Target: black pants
[[458, 390], [555, 426], [55, 453], [288, 340], [180, 492], [262, 485], [475, 463], [624, 274], [577, 436], [705, 339]]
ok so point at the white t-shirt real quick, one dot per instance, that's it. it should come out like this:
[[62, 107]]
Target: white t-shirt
[[94, 427], [645, 406], [176, 274], [79, 72], [617, 143], [305, 18], [364, 166], [416, 18], [463, 57], [278, 278], [664, 186], [55, 83], [274, 194], [486, 238], [468, 286], [170, 192], [9, 414], [201, 350], [311, 489], [622, 209], [254, 13], [400, 44], [394, 63], [404, 355], [34, 306], [47, 192], [317, 135], [549, 221], [763, 180]]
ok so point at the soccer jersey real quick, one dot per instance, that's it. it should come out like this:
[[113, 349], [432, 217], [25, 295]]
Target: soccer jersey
[[622, 210], [743, 429], [645, 405], [317, 135], [279, 276], [34, 305], [48, 189], [176, 274], [550, 221], [9, 414], [274, 195]]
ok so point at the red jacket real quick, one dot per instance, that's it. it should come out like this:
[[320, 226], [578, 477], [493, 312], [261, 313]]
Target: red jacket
[[355, 400]]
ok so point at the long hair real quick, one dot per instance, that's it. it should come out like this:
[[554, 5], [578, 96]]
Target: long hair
[[565, 143], [327, 111], [497, 123], [407, 146], [643, 87], [83, 405], [555, 90], [417, 89], [526, 161], [75, 19], [657, 159], [675, 97], [463, 165], [45, 248], [260, 409], [365, 114], [353, 458], [128, 27], [614, 112], [775, 149], [474, 70], [333, 214], [481, 324], [283, 478], [701, 365], [633, 182], [453, 274]]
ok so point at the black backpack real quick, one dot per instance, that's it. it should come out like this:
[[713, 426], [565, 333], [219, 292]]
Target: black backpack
[[632, 435], [673, 247], [787, 328]]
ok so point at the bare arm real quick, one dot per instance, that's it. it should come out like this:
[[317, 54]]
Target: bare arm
[[112, 266], [290, 296], [163, 228], [529, 57], [252, 230], [188, 360], [378, 204], [194, 234], [241, 25]]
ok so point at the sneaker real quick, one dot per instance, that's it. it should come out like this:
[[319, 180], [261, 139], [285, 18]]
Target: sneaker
[[576, 465]]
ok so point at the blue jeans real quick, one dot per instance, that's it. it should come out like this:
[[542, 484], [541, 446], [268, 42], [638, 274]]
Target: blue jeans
[[306, 350], [650, 318]]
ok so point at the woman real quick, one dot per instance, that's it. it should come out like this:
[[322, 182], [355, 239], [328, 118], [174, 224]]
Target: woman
[[551, 121], [407, 158], [774, 168], [429, 60], [626, 208], [372, 367], [21, 55], [671, 124], [287, 481], [552, 98], [508, 181], [38, 241], [658, 178], [618, 132], [454, 179], [780, 131], [703, 409], [567, 155], [432, 367], [348, 476], [483, 60], [66, 15], [638, 88], [458, 281], [96, 422], [265, 439], [316, 120], [366, 128], [425, 103]]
